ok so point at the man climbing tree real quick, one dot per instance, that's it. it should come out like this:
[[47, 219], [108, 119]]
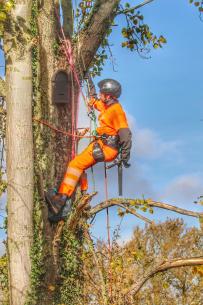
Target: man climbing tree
[[45, 261], [113, 136]]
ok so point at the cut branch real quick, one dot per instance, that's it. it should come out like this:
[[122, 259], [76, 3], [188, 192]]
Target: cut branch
[[133, 202], [81, 205], [90, 38], [164, 266]]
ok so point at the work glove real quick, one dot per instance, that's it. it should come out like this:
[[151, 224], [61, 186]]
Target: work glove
[[125, 139], [91, 102]]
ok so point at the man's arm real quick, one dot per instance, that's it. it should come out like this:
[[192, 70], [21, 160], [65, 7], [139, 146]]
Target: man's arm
[[125, 137]]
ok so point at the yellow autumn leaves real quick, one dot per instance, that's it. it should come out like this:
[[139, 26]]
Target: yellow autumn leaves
[[5, 8]]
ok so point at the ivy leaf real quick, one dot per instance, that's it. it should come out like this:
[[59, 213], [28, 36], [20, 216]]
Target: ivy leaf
[[197, 3], [155, 45], [8, 6], [162, 39], [127, 5], [2, 16], [165, 285], [151, 211], [121, 213]]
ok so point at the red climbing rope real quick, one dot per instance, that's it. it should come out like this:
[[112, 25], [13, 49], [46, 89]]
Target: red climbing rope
[[108, 231], [69, 56], [67, 48], [65, 133]]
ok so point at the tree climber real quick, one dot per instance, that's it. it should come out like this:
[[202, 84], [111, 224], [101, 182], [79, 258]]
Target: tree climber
[[113, 136]]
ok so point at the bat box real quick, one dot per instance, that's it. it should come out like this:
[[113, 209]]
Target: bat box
[[61, 88]]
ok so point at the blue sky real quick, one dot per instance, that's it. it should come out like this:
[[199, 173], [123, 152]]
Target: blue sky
[[163, 98]]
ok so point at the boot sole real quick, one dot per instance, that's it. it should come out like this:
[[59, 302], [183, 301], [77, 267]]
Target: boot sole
[[49, 204]]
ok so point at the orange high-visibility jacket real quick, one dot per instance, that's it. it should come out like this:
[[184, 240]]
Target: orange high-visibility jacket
[[113, 121], [112, 118]]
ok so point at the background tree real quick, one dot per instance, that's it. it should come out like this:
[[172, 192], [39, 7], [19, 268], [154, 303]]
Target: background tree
[[35, 50], [147, 248]]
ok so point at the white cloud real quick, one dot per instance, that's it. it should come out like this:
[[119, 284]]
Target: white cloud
[[147, 144], [184, 189]]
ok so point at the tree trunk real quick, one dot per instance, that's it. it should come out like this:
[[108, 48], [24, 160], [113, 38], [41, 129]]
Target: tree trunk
[[19, 150], [52, 150]]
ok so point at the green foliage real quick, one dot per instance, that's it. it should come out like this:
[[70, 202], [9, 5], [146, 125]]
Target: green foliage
[[37, 256], [138, 35], [199, 200], [5, 8], [198, 4], [98, 63], [3, 183], [83, 12], [2, 119], [70, 290], [4, 279], [37, 250]]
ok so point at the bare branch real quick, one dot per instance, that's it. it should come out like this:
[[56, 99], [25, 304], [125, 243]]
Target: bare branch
[[135, 7], [164, 266], [101, 277], [135, 202]]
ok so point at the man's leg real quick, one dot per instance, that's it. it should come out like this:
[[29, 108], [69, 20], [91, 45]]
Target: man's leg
[[74, 171], [83, 183]]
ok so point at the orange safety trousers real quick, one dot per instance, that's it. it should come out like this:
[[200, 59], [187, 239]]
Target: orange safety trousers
[[79, 164]]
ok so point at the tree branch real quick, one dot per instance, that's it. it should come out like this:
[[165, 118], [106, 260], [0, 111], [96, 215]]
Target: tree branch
[[164, 266], [133, 212], [135, 202], [67, 9], [135, 7], [90, 38]]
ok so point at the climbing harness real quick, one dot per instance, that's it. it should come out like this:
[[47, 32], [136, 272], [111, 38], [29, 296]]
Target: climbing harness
[[111, 141], [97, 152]]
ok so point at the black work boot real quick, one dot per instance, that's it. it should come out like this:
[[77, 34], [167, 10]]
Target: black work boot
[[63, 213], [55, 201]]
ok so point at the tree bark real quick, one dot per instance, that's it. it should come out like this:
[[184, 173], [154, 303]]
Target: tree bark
[[2, 87], [52, 149], [19, 151], [90, 38]]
